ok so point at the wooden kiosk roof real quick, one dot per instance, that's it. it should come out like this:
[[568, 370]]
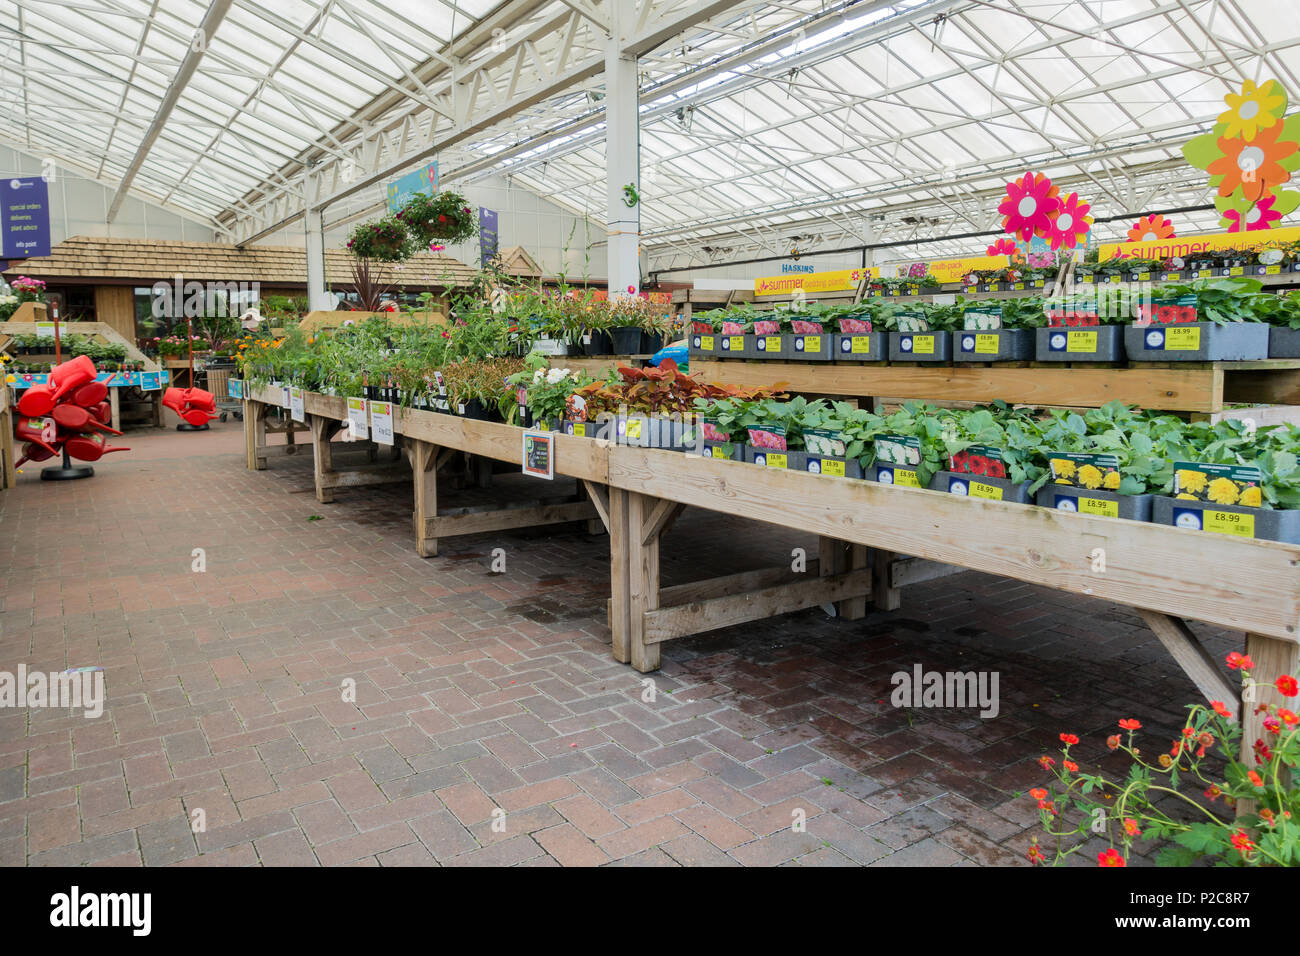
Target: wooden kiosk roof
[[91, 259]]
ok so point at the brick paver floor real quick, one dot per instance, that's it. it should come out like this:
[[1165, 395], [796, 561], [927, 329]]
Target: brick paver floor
[[490, 725]]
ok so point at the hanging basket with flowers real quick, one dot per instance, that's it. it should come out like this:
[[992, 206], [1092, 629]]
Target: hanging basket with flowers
[[385, 240], [443, 218]]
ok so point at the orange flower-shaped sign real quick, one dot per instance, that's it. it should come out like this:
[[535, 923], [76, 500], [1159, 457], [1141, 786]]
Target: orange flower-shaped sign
[[1254, 166], [1151, 228]]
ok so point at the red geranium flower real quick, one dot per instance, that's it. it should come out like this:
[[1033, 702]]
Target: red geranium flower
[[1235, 660], [1255, 778], [1112, 742], [1110, 857], [1286, 685], [1035, 854], [1241, 840], [1220, 708], [1047, 762], [1071, 766], [1038, 793], [1272, 726], [1128, 723], [1131, 827], [1069, 739], [1287, 717]]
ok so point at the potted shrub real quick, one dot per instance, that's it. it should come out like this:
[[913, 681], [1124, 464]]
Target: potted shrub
[[1080, 327], [990, 453], [913, 337], [997, 331], [1209, 320]]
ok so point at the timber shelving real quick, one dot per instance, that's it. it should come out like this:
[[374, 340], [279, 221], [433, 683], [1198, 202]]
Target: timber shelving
[[1198, 387]]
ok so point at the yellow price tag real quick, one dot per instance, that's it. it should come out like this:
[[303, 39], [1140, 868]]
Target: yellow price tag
[[580, 429], [772, 344], [633, 428], [1018, 285], [1272, 270], [978, 489], [1236, 271], [776, 461], [1081, 341], [812, 343], [1182, 340], [906, 478], [986, 344], [706, 343], [1098, 506], [1144, 275], [1230, 522], [861, 345], [923, 344], [832, 467], [736, 343], [1087, 280]]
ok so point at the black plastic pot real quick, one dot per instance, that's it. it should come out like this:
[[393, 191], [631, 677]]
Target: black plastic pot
[[651, 342], [477, 410], [597, 343], [626, 340]]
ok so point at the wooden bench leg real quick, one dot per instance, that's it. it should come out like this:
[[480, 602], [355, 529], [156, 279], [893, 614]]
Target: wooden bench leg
[[322, 430], [883, 596], [1272, 659], [424, 469], [255, 433], [839, 557], [644, 525], [620, 553]]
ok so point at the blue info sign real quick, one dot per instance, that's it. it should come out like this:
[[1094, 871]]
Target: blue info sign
[[24, 218]]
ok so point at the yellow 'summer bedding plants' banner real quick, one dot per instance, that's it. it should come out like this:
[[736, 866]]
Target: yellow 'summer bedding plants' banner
[[845, 280], [1185, 246]]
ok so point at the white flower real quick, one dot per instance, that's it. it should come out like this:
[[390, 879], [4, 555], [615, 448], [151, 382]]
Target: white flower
[[537, 376], [554, 376]]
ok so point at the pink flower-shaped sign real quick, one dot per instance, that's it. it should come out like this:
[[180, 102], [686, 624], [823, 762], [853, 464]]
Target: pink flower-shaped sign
[[1030, 206]]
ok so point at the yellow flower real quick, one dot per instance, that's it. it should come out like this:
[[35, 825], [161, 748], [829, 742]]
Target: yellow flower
[[1255, 109], [1090, 476], [1185, 496], [1062, 467], [1112, 481], [1193, 481], [1223, 491], [1250, 497]]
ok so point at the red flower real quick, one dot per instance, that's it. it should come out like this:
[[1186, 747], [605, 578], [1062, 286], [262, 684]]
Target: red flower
[[1110, 857], [1128, 723], [1263, 754], [1287, 717], [1112, 742], [442, 217], [1243, 661], [1038, 793], [1241, 840], [1131, 827], [1220, 708], [631, 289], [1035, 854], [1212, 791], [1255, 778], [1286, 685], [1071, 766], [1047, 762], [1069, 739], [1272, 726]]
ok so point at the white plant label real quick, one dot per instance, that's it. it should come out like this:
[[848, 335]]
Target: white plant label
[[357, 417], [381, 422], [296, 408]]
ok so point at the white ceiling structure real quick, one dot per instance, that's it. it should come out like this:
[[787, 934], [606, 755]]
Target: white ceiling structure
[[764, 125]]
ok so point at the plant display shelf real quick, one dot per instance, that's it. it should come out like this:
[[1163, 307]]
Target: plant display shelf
[[1167, 574], [1201, 387], [103, 332]]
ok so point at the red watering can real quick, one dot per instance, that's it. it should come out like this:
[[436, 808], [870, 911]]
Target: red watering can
[[33, 452], [103, 412], [36, 401], [85, 446], [92, 393], [72, 375], [38, 431], [75, 418]]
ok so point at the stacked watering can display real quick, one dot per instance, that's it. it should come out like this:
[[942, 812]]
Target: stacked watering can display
[[67, 415]]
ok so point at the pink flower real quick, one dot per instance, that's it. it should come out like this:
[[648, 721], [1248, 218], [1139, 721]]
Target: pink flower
[[1071, 223], [1260, 216], [1031, 204]]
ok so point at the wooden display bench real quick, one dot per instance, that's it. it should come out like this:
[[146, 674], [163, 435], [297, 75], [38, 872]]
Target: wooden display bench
[[1168, 575], [1202, 387], [433, 444]]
